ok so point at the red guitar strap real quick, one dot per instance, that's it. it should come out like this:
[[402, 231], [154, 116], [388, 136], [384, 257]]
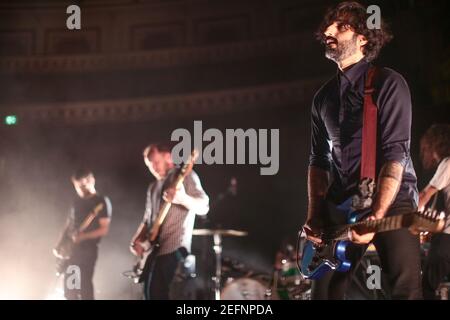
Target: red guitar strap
[[369, 129], [366, 188]]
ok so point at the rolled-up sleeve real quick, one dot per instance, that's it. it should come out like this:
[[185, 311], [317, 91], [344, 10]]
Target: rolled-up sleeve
[[194, 189], [320, 155], [394, 103]]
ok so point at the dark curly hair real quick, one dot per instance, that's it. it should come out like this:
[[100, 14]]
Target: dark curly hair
[[435, 140], [355, 15]]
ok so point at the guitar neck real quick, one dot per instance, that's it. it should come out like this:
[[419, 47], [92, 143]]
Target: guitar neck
[[379, 225], [165, 206], [164, 209], [88, 220]]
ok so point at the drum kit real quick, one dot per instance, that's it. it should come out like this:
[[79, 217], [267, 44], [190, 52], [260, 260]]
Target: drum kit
[[233, 281]]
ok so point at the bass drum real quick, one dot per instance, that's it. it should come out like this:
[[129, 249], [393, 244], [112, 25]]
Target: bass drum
[[245, 289]]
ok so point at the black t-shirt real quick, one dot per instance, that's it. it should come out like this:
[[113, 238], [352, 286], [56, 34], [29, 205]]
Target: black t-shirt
[[80, 210]]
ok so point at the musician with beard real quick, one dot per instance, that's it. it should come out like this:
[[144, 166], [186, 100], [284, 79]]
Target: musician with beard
[[336, 152]]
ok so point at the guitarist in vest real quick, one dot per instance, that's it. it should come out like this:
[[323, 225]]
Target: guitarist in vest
[[85, 249], [336, 152], [175, 234]]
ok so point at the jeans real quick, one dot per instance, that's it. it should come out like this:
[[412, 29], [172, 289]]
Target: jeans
[[162, 274], [81, 288], [437, 266]]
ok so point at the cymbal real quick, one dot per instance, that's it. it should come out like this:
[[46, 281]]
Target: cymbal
[[222, 232]]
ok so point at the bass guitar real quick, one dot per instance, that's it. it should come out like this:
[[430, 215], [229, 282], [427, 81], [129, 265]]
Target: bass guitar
[[317, 259], [148, 240], [64, 248]]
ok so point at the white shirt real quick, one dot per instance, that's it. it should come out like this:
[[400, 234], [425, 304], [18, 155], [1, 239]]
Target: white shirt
[[441, 181]]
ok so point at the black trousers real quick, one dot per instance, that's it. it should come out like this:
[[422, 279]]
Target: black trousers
[[78, 278], [437, 265], [399, 253], [162, 274]]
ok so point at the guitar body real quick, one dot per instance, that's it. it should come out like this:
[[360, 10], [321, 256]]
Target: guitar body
[[65, 246], [318, 260], [61, 266], [149, 239], [330, 255], [144, 264]]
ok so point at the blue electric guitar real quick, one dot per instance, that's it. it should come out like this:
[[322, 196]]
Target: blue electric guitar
[[318, 259]]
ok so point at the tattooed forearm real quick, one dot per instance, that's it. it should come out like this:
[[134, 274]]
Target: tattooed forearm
[[392, 169], [388, 184], [318, 182]]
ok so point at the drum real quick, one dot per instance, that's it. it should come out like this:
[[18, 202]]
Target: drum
[[245, 289]]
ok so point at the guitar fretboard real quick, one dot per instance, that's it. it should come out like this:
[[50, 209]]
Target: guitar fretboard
[[380, 225]]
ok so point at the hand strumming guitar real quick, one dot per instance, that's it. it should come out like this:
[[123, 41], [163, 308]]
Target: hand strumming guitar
[[363, 238], [136, 248], [78, 237]]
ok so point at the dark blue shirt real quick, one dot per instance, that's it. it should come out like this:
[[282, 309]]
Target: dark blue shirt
[[336, 124]]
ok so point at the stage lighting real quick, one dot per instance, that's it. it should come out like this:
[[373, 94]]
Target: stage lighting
[[11, 120]]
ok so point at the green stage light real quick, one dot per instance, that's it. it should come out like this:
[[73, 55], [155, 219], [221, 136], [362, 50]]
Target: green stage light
[[11, 120]]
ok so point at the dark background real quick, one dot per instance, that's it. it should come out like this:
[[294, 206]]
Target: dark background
[[133, 74]]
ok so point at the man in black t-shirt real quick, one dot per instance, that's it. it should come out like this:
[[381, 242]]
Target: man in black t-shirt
[[85, 248]]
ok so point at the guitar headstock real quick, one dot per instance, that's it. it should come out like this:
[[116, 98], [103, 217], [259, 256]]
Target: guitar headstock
[[189, 164], [427, 221]]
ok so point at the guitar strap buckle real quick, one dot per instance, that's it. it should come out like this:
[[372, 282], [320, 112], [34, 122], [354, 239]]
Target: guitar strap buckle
[[364, 197]]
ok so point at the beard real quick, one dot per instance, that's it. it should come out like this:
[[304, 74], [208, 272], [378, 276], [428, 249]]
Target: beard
[[343, 50]]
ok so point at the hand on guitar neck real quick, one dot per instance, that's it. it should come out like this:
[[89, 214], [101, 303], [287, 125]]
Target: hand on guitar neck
[[176, 196]]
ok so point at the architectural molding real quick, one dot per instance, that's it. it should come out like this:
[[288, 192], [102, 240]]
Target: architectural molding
[[184, 56], [148, 109]]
